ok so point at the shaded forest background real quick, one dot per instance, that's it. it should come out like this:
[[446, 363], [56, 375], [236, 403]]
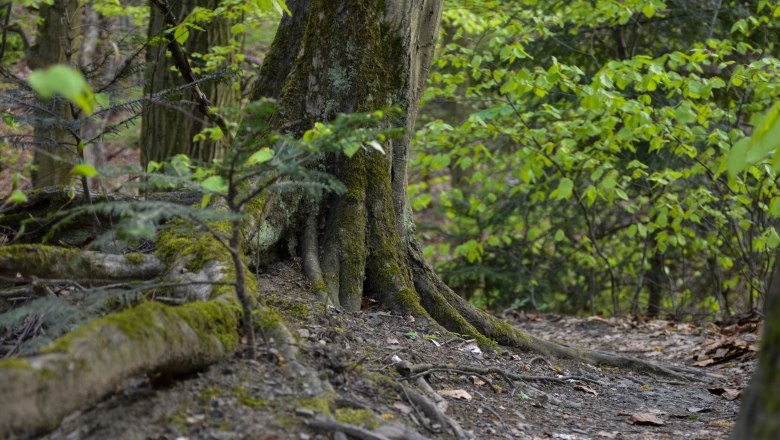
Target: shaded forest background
[[570, 156], [583, 157]]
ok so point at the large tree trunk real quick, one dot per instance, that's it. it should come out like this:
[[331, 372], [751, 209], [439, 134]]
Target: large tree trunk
[[360, 56], [58, 43], [171, 121], [759, 415]]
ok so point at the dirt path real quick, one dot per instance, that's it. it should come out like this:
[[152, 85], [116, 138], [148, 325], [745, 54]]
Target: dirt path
[[356, 351]]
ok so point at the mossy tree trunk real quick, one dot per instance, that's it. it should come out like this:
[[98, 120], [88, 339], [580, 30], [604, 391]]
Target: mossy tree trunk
[[759, 416], [366, 55], [357, 56], [172, 121], [59, 35]]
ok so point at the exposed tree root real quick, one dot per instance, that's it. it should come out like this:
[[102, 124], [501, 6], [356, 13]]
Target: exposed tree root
[[431, 410], [58, 262], [91, 361], [458, 315], [420, 370]]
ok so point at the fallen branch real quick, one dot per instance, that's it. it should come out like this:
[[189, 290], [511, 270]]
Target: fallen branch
[[433, 412]]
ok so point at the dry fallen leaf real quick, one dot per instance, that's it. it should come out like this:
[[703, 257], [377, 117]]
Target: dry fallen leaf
[[726, 393], [704, 362], [476, 381], [392, 340], [645, 419], [457, 394], [586, 389]]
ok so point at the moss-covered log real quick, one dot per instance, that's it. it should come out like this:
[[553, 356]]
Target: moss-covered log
[[91, 361], [58, 262]]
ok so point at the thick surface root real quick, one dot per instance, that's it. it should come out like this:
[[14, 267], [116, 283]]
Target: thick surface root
[[57, 262], [458, 315], [91, 361]]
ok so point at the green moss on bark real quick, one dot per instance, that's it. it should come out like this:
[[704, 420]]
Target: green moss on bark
[[196, 248], [215, 323], [135, 258], [29, 258]]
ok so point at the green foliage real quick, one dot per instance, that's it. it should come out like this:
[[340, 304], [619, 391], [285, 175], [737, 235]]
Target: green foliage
[[576, 152], [765, 140], [66, 81]]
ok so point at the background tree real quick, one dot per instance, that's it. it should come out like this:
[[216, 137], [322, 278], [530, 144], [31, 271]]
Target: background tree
[[213, 43], [59, 42]]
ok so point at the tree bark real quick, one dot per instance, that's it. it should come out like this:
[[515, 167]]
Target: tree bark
[[655, 277], [358, 56], [759, 414], [170, 123], [58, 43]]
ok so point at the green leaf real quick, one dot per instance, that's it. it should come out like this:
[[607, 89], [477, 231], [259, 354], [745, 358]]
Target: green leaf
[[153, 166], [350, 148], [765, 140], [181, 34], [84, 170], [773, 239], [65, 81], [261, 156], [17, 197], [215, 184], [204, 202], [565, 189], [280, 6], [376, 146]]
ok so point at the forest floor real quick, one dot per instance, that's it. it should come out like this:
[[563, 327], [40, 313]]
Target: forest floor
[[356, 352]]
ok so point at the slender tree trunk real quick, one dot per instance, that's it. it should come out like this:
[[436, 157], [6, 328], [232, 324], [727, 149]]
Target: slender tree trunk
[[172, 121], [655, 277], [759, 415], [58, 43]]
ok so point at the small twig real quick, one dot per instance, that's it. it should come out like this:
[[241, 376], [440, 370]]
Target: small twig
[[540, 358]]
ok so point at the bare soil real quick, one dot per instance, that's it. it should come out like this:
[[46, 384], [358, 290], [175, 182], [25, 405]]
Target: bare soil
[[355, 352]]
